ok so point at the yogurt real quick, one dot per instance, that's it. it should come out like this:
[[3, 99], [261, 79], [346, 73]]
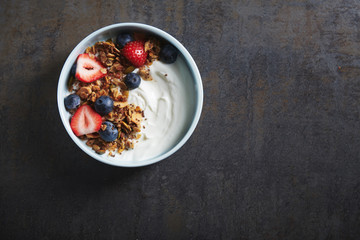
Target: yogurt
[[165, 101]]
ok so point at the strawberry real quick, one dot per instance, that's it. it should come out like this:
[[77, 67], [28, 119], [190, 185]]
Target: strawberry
[[89, 69], [85, 121], [134, 52]]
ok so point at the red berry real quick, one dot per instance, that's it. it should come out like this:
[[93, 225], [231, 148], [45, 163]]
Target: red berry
[[89, 69], [85, 121], [134, 52]]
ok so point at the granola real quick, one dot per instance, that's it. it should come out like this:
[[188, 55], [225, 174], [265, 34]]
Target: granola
[[125, 116]]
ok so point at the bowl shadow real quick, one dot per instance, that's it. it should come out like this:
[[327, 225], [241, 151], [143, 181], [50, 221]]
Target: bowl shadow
[[57, 157]]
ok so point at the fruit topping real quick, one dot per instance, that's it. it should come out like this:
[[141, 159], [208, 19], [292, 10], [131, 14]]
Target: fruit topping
[[104, 105], [73, 70], [134, 52], [89, 69], [132, 80], [168, 54], [100, 81], [85, 121], [123, 38], [108, 132], [72, 101]]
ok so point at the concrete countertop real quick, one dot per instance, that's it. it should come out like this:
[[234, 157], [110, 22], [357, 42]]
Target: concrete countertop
[[276, 154]]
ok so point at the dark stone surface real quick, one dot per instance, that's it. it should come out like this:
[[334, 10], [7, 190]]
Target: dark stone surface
[[276, 152]]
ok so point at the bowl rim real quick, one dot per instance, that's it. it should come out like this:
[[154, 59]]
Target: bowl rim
[[194, 71]]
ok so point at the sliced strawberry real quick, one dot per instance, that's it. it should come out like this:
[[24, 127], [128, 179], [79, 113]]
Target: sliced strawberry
[[134, 52], [89, 69], [85, 121]]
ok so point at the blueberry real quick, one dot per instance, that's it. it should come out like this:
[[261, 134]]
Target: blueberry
[[110, 133], [73, 70], [104, 105], [123, 38], [132, 80], [168, 54], [72, 101]]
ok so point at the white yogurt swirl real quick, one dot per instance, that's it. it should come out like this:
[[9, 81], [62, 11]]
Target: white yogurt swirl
[[166, 108]]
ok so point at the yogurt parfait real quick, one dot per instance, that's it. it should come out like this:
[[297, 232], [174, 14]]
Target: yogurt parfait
[[126, 96]]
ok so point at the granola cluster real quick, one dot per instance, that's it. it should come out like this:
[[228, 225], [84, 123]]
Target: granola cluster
[[126, 117]]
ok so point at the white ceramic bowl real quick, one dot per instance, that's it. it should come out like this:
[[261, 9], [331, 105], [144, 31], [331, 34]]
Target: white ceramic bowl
[[111, 31]]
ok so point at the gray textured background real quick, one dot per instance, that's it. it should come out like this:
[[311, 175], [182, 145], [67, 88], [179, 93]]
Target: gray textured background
[[275, 154]]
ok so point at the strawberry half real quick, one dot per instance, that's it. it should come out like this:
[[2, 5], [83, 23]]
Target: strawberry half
[[89, 69], [134, 52], [85, 121]]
